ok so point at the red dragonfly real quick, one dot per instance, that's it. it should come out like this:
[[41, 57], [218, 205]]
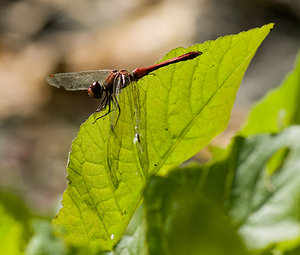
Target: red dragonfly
[[107, 84]]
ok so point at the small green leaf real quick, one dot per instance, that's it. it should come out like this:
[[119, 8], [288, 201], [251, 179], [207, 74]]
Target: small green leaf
[[183, 106], [278, 109]]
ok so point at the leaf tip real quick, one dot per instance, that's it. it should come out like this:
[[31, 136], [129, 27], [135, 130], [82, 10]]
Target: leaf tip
[[271, 25]]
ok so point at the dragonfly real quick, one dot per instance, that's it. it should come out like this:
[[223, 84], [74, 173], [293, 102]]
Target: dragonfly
[[106, 85]]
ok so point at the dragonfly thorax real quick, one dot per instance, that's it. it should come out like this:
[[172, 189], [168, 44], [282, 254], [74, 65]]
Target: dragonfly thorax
[[117, 80], [113, 84]]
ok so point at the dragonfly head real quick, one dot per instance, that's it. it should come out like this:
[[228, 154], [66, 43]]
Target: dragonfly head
[[95, 90]]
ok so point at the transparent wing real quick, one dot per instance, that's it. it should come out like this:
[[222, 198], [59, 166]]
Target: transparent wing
[[117, 130], [128, 135], [77, 80], [138, 99]]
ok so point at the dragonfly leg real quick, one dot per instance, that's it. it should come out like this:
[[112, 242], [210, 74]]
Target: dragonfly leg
[[109, 99], [103, 104]]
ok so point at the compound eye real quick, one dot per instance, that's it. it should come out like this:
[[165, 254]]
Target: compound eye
[[95, 90]]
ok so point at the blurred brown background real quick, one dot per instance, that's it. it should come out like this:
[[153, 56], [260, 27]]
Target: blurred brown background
[[39, 37]]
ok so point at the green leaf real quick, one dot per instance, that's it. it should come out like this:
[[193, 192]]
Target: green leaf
[[263, 202], [266, 207], [182, 107], [278, 109], [182, 220], [11, 232], [14, 224]]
